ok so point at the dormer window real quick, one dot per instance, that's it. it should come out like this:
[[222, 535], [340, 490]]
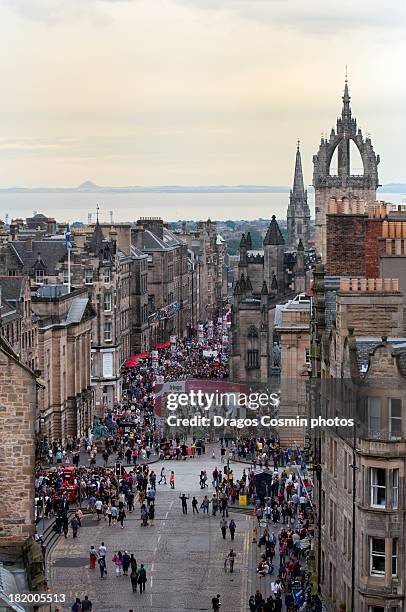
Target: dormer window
[[39, 277]]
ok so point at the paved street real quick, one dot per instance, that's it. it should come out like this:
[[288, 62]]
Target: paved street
[[184, 555]]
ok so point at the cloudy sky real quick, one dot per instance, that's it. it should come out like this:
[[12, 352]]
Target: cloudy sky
[[126, 92]]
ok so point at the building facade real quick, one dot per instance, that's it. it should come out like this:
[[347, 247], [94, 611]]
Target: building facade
[[359, 354], [17, 457], [66, 402]]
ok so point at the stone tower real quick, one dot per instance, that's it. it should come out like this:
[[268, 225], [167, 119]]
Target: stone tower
[[298, 209], [345, 186], [274, 257]]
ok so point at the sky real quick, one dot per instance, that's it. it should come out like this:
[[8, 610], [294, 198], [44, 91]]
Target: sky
[[193, 92]]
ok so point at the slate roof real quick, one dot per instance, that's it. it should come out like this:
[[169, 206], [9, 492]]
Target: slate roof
[[151, 242], [12, 287], [51, 253]]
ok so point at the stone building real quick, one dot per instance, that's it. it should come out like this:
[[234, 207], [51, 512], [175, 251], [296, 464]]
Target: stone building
[[112, 278], [292, 327], [349, 184], [38, 259], [358, 352], [17, 455], [298, 215], [266, 278], [64, 342], [169, 279], [210, 270], [17, 321]]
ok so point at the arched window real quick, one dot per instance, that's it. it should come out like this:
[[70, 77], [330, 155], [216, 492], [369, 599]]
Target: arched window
[[252, 348]]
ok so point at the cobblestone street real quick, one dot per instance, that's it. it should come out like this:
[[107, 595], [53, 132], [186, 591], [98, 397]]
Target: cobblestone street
[[183, 554]]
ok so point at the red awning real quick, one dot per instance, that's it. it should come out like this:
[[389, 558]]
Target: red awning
[[163, 345], [131, 363], [139, 356]]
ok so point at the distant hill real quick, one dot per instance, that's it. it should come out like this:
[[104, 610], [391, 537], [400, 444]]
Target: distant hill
[[90, 187]]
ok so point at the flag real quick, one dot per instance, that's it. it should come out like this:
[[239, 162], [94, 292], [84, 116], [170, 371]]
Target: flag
[[68, 238]]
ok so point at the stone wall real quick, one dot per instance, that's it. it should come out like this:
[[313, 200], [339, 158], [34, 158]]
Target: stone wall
[[17, 451]]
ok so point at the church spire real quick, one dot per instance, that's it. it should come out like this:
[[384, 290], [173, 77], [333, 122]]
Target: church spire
[[298, 184], [346, 112]]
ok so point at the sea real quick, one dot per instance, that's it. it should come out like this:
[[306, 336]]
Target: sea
[[76, 206]]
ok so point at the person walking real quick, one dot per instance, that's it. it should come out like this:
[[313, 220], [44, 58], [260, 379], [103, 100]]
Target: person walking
[[74, 524], [194, 505], [184, 499], [163, 476], [142, 578], [205, 505], [134, 580], [223, 527], [232, 527], [121, 517], [215, 602], [102, 566], [92, 557], [126, 563], [231, 558], [172, 479], [118, 562], [86, 604]]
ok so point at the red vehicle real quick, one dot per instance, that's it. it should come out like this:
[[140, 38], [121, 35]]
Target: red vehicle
[[69, 475]]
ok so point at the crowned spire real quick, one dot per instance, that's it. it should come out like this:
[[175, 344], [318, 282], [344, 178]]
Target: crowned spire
[[346, 112], [298, 184]]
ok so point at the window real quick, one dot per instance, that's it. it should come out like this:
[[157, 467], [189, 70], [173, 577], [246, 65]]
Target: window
[[377, 556], [376, 609], [394, 557], [107, 331], [88, 277], [252, 349], [107, 302], [395, 488], [65, 277], [374, 417], [107, 275], [307, 357], [395, 418], [378, 487], [39, 277]]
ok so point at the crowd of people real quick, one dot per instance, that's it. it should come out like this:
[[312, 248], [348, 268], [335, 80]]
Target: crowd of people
[[89, 475]]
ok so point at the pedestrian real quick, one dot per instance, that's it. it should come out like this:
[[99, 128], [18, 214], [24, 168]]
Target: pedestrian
[[102, 551], [163, 476], [118, 562], [142, 577], [126, 563], [194, 505], [102, 566], [86, 604], [205, 505], [172, 479], [214, 505], [74, 524], [121, 517], [216, 603], [133, 563], [134, 580], [151, 512], [184, 499], [223, 527], [232, 526], [114, 514], [77, 605], [99, 508], [231, 558], [92, 557], [144, 515]]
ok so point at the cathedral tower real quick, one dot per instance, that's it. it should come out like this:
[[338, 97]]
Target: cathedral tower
[[298, 210], [344, 185]]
